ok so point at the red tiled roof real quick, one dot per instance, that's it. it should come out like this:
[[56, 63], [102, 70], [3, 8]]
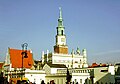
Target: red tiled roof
[[104, 65], [94, 64], [1, 64], [97, 65], [16, 59]]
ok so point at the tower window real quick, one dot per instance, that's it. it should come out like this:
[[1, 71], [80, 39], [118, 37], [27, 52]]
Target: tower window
[[57, 32], [62, 32]]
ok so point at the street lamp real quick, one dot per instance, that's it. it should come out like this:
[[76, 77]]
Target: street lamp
[[24, 55]]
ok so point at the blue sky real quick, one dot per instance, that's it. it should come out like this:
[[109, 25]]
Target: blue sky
[[90, 24]]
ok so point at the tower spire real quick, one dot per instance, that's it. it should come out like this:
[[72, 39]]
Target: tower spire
[[60, 19], [60, 16]]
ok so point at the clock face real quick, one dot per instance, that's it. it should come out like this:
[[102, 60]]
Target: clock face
[[62, 39]]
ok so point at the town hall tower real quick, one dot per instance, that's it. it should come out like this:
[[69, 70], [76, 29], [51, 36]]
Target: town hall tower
[[60, 46]]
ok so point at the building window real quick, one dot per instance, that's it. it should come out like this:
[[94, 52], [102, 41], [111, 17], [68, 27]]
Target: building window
[[83, 71], [89, 71], [79, 66], [62, 32], [75, 80], [76, 61], [71, 66], [80, 81], [80, 61]]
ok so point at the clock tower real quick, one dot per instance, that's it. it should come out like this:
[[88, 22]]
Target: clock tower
[[60, 47]]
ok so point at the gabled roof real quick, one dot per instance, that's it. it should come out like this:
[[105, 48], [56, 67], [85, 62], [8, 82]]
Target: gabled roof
[[16, 59], [56, 65]]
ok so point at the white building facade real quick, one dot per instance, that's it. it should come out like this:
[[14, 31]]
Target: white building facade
[[35, 76]]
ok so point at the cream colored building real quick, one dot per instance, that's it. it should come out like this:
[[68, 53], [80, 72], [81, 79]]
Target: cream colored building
[[76, 59], [78, 75], [58, 73], [96, 75], [51, 71]]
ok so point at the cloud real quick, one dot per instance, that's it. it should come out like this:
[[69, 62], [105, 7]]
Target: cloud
[[107, 52]]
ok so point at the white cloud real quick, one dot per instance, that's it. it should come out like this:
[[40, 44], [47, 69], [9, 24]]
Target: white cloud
[[107, 52]]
